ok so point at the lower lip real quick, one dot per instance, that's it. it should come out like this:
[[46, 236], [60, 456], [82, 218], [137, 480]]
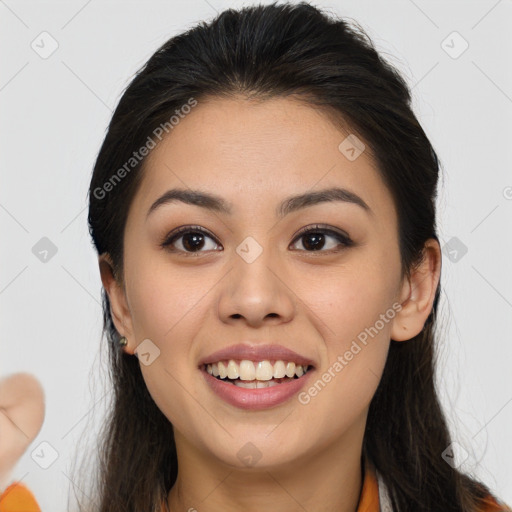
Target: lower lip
[[258, 398]]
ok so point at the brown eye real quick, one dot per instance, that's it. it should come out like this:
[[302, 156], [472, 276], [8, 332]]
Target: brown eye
[[315, 239], [192, 240]]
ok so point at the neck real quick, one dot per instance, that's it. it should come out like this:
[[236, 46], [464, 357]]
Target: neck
[[330, 480]]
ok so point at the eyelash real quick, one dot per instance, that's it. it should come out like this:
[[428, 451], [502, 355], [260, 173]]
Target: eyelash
[[169, 239]]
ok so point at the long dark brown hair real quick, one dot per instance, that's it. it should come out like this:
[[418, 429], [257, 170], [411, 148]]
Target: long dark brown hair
[[262, 52]]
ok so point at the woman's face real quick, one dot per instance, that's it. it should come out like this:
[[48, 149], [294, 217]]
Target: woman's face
[[251, 279]]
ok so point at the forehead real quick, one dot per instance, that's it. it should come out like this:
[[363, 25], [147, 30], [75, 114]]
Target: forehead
[[253, 153]]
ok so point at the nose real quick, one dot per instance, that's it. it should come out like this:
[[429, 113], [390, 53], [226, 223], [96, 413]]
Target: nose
[[256, 292]]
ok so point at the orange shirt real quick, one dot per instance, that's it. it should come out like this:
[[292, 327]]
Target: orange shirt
[[17, 497], [369, 499]]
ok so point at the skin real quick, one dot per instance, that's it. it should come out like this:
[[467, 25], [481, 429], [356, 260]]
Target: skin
[[22, 410], [255, 155]]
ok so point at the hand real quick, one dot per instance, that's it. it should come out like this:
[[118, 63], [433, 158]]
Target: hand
[[22, 408]]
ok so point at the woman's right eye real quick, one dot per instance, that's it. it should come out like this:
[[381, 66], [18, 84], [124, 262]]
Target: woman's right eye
[[191, 239]]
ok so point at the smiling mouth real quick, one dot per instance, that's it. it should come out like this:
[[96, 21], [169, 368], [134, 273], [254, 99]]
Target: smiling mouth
[[257, 383]]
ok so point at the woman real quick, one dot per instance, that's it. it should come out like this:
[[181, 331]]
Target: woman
[[263, 208]]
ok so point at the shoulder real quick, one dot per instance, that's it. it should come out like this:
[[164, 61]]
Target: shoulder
[[18, 496]]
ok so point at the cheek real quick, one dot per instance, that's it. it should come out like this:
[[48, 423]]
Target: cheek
[[349, 315], [163, 298], [352, 309], [166, 308], [351, 300]]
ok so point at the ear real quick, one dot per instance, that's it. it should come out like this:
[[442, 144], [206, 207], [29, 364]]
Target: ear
[[418, 293], [119, 309]]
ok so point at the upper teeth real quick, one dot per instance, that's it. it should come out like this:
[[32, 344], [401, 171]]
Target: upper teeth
[[262, 370]]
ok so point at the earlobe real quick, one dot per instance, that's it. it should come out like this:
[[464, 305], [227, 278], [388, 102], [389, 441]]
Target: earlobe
[[418, 294], [119, 309]]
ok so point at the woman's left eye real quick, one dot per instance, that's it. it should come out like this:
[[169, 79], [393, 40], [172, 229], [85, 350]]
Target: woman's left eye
[[317, 235], [192, 239]]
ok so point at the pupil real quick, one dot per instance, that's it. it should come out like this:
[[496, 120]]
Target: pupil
[[197, 237], [318, 237]]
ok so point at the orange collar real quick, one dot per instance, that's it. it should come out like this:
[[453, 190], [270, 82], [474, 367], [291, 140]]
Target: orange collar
[[369, 499]]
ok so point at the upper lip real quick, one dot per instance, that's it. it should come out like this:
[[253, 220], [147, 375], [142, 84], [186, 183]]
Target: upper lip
[[259, 352]]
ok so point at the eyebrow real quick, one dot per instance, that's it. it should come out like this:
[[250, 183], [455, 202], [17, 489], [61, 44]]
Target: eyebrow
[[291, 204]]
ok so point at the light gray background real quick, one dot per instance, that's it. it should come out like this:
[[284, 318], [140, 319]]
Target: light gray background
[[54, 114]]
